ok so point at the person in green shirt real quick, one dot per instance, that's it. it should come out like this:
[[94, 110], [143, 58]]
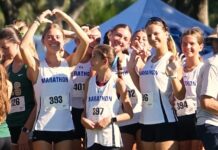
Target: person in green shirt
[[5, 92]]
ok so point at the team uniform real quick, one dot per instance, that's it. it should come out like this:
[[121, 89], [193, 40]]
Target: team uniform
[[102, 101], [186, 109], [207, 122], [79, 75], [131, 126], [52, 91], [22, 101], [157, 117]]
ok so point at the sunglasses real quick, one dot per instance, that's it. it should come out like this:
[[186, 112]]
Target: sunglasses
[[156, 19]]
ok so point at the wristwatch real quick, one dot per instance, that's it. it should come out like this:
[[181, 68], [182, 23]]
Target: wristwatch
[[113, 119], [25, 130]]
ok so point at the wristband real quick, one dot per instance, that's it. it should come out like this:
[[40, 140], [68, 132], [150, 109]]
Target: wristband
[[36, 21], [173, 77]]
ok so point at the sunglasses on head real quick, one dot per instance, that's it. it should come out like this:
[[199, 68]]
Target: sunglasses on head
[[156, 19]]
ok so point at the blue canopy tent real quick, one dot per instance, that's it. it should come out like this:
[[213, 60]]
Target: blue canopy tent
[[139, 12]]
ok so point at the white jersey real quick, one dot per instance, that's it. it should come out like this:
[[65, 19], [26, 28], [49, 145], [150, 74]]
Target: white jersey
[[134, 94], [156, 89], [79, 75], [102, 101], [188, 106], [207, 85], [52, 93]]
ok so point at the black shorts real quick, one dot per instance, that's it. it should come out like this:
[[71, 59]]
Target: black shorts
[[79, 131], [52, 136], [158, 132], [187, 128], [100, 147], [15, 133], [130, 129]]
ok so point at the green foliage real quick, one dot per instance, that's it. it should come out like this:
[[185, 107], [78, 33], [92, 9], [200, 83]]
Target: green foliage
[[98, 11], [213, 11]]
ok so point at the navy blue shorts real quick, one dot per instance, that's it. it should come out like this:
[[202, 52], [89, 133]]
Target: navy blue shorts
[[209, 136], [79, 131], [187, 128], [158, 132], [130, 129], [52, 136]]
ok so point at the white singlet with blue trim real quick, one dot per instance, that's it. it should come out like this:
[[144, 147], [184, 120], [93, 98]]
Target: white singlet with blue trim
[[52, 93], [188, 106], [156, 89], [79, 75], [134, 94], [102, 101]]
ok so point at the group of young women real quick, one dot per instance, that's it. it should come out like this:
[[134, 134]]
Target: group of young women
[[134, 92]]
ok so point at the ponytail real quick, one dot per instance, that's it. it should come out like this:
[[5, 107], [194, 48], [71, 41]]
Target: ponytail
[[119, 68], [171, 45]]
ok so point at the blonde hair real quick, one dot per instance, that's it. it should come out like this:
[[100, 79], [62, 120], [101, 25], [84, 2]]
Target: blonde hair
[[4, 97]]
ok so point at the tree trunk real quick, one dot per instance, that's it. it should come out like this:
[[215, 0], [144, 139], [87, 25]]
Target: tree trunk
[[203, 12], [197, 9]]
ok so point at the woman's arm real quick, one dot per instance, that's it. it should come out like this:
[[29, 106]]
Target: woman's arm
[[174, 71], [126, 103], [88, 124], [25, 46], [81, 49]]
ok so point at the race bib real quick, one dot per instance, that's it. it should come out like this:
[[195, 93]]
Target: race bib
[[99, 112], [185, 107], [147, 99], [17, 104], [78, 90], [59, 102], [132, 96]]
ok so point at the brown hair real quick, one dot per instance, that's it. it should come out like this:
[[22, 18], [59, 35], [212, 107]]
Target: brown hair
[[4, 98], [11, 34], [49, 27], [106, 51], [170, 42], [196, 32]]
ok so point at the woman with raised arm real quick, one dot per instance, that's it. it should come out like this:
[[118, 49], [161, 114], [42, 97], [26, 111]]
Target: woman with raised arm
[[5, 105], [51, 80], [192, 43], [158, 79], [22, 115], [120, 39], [105, 95]]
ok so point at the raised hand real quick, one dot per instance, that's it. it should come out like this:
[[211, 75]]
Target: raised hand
[[174, 67], [42, 18]]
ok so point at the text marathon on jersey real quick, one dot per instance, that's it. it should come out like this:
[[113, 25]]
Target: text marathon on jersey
[[54, 79], [100, 98]]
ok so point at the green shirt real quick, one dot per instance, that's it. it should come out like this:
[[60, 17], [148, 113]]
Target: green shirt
[[4, 131], [22, 97]]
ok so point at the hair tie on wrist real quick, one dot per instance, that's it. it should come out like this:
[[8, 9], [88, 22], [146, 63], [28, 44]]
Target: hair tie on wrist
[[114, 62]]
